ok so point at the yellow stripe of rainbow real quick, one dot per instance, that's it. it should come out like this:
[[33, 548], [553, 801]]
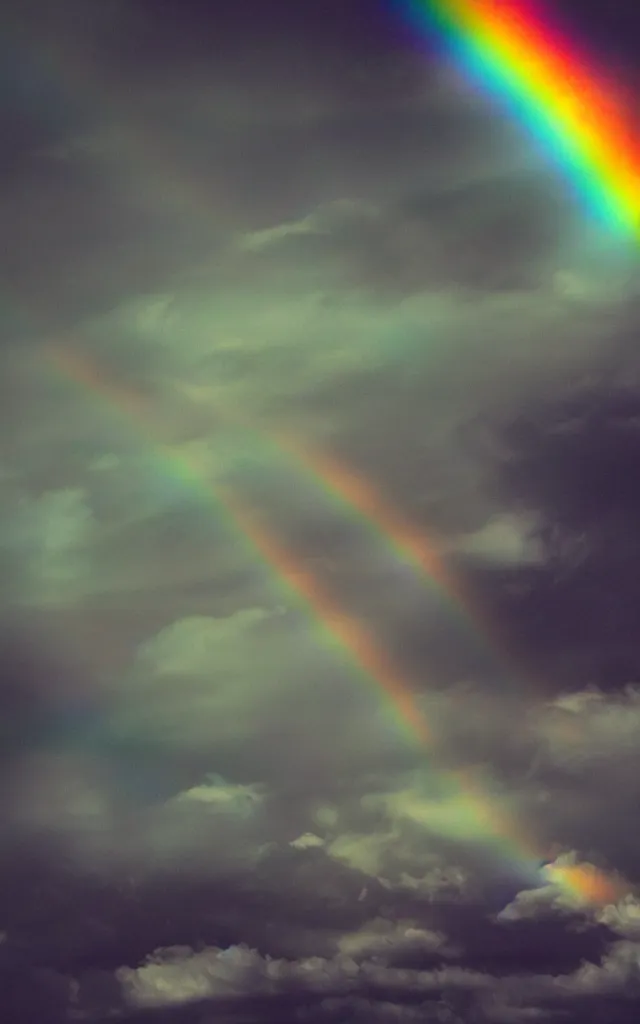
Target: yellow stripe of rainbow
[[570, 108], [353, 638]]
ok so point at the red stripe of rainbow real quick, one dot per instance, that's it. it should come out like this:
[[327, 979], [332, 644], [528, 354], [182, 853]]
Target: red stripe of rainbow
[[352, 637], [572, 110]]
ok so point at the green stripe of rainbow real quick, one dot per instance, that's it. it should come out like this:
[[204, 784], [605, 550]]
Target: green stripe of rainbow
[[358, 496], [481, 812], [574, 112]]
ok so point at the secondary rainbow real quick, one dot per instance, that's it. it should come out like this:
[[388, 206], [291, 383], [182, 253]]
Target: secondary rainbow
[[573, 110], [388, 527], [484, 814]]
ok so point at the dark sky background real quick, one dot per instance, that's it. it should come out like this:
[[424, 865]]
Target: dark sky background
[[219, 222]]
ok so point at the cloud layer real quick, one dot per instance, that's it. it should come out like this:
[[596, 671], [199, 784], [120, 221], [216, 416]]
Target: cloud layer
[[206, 797]]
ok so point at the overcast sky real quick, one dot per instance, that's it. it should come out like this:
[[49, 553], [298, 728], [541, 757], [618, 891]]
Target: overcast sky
[[233, 235]]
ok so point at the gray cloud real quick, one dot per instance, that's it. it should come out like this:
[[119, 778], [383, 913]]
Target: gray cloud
[[396, 279]]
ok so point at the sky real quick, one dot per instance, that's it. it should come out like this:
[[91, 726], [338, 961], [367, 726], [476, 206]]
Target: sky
[[288, 301]]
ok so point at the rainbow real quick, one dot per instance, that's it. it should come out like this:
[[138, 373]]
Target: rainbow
[[480, 814], [573, 112], [187, 470], [576, 118], [359, 498]]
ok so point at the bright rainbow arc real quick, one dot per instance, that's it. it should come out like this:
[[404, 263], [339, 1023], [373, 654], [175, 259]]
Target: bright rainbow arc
[[568, 107], [506, 835]]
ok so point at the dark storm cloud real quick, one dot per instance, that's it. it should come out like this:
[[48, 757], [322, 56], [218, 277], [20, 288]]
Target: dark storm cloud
[[357, 251]]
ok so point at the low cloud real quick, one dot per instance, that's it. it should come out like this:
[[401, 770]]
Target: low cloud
[[623, 917], [179, 976], [384, 939]]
